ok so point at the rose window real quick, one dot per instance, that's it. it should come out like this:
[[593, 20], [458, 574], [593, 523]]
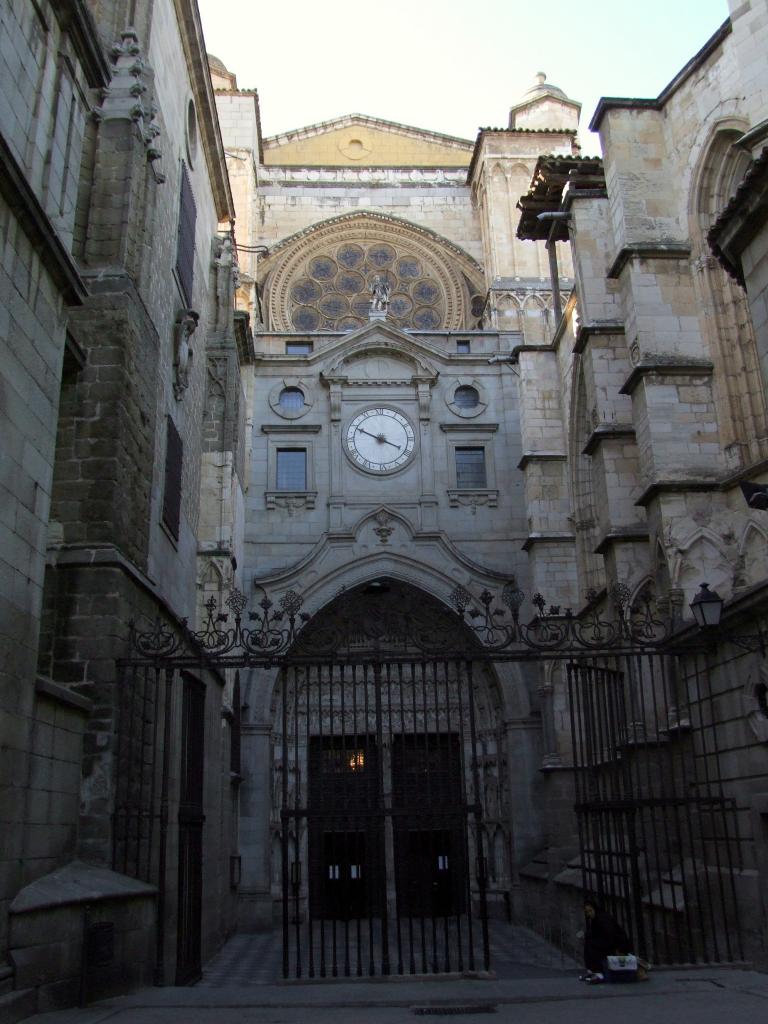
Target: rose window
[[332, 291]]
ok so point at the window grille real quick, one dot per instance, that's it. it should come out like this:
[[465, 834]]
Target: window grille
[[470, 468], [185, 249], [174, 458], [466, 397], [292, 469]]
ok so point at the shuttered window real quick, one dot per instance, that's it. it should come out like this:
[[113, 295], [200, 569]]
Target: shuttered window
[[292, 469], [174, 457], [470, 467], [185, 251]]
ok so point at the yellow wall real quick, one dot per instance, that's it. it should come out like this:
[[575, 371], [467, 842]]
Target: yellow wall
[[339, 148]]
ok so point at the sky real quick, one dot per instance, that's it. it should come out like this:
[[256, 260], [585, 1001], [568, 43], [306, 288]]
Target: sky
[[449, 66]]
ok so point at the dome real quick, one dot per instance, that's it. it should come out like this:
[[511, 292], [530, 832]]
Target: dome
[[216, 65], [541, 88]]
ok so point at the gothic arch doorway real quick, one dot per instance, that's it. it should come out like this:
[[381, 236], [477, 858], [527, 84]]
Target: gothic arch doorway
[[386, 752]]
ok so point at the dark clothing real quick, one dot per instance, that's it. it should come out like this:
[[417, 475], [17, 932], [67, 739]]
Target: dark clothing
[[603, 936]]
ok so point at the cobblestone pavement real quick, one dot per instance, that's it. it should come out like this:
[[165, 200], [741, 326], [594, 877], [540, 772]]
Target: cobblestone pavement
[[516, 952]]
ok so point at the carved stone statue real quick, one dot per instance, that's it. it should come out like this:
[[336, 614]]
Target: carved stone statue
[[186, 325], [379, 289]]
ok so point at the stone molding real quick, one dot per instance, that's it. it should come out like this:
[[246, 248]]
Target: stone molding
[[457, 410], [63, 695], [446, 263], [469, 428], [291, 501], [659, 487], [291, 382], [647, 251], [744, 216], [666, 366], [547, 538], [594, 328], [291, 428], [620, 535], [529, 457], [488, 496], [607, 432]]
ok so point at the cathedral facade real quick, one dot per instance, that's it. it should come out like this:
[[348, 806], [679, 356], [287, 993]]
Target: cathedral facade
[[442, 438]]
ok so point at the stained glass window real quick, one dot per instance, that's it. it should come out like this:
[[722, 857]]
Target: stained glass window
[[470, 468], [332, 289]]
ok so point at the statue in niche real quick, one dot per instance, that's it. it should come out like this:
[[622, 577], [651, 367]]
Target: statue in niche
[[379, 289], [186, 325]]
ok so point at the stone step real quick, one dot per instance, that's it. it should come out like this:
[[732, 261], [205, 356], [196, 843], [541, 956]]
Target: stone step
[[17, 1005]]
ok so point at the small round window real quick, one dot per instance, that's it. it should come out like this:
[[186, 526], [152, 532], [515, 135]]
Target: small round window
[[466, 397], [291, 399]]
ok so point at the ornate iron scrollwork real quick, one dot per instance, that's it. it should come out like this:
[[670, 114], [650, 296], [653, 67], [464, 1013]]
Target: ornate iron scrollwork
[[491, 626]]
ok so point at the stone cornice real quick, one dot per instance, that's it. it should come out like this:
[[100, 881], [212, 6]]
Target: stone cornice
[[469, 428], [626, 103], [291, 428], [660, 487], [547, 538], [63, 695], [621, 535], [647, 251], [348, 120], [607, 432], [592, 328], [37, 226], [529, 457], [191, 31], [666, 367]]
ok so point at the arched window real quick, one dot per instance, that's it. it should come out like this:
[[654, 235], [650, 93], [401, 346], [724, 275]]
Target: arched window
[[291, 399], [466, 397]]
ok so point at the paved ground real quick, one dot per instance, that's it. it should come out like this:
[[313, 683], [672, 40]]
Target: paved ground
[[248, 960], [534, 985], [717, 996]]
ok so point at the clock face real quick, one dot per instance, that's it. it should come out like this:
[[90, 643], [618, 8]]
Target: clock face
[[380, 440]]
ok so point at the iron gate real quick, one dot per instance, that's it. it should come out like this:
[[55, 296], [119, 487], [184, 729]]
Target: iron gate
[[383, 853], [383, 859], [659, 836]]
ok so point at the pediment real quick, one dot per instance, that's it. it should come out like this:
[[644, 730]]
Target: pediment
[[379, 352], [359, 140]]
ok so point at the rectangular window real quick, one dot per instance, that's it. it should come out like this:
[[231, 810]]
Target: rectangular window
[[185, 247], [470, 468], [291, 469], [298, 348], [174, 458], [462, 346]]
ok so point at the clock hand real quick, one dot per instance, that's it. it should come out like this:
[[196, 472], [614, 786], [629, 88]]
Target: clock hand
[[379, 437]]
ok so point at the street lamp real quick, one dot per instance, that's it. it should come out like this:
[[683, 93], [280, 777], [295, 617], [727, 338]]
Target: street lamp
[[707, 607]]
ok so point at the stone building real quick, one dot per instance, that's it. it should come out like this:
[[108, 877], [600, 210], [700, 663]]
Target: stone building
[[117, 292], [569, 388], [423, 376]]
